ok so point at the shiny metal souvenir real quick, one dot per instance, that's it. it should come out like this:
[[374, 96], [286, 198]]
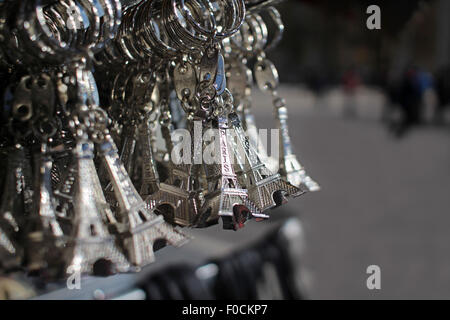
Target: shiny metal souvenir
[[91, 246], [93, 176], [265, 189]]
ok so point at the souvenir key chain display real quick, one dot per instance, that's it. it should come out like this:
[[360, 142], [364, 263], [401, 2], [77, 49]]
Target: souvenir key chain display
[[89, 86]]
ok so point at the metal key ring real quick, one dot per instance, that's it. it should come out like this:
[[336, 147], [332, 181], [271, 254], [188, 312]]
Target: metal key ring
[[47, 40], [259, 31], [128, 47], [236, 14], [10, 42], [110, 22], [179, 36], [37, 36], [196, 39], [186, 12], [252, 37], [150, 30], [183, 39], [274, 14]]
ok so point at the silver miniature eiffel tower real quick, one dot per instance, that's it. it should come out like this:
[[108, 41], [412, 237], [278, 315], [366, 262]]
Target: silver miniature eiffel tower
[[127, 154], [45, 238], [240, 80], [139, 227], [266, 76], [150, 178], [128, 146], [91, 245], [13, 208], [17, 189], [10, 252], [64, 195], [225, 196], [174, 198], [290, 167], [249, 126], [266, 190]]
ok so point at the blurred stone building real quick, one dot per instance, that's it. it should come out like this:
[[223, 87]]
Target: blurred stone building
[[325, 38]]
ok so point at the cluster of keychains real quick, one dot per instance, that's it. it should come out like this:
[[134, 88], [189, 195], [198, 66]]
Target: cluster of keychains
[[88, 86]]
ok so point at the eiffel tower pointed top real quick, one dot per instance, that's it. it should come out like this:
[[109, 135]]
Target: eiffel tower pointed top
[[290, 167], [267, 79], [45, 238]]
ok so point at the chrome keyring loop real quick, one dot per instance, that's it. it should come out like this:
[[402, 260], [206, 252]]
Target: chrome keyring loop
[[129, 49], [233, 15], [153, 30], [66, 29], [188, 34], [275, 15], [36, 35], [251, 38], [141, 35], [254, 36]]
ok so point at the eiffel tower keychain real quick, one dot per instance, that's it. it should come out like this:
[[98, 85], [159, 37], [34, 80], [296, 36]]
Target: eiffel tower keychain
[[97, 95], [290, 168], [225, 197]]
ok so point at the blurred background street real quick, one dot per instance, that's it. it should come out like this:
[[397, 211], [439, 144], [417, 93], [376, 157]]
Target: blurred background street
[[384, 201], [369, 120]]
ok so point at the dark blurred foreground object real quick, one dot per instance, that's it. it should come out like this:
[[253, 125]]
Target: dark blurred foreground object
[[268, 269], [14, 289]]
